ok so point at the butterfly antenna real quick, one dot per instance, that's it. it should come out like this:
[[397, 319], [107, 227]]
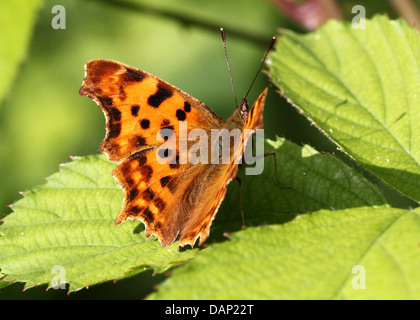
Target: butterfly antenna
[[273, 40], [222, 31]]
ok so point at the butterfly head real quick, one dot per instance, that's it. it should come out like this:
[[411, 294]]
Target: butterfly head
[[244, 108]]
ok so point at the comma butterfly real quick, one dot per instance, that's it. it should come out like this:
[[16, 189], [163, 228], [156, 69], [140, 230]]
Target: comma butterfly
[[176, 198]]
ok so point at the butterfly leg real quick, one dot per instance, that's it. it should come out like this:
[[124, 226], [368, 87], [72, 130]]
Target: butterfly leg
[[272, 153], [240, 200]]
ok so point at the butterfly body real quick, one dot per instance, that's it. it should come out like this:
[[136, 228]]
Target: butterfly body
[[176, 198]]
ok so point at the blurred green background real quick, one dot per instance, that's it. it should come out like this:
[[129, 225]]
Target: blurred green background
[[43, 120]]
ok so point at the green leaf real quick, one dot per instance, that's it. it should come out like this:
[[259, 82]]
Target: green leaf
[[17, 19], [362, 88], [3, 283], [324, 255], [318, 181], [68, 222]]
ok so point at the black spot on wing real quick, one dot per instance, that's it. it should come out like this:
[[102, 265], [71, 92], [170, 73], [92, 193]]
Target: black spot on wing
[[135, 210], [145, 123], [132, 194], [161, 95], [115, 114], [122, 95], [187, 107], [114, 129], [132, 75], [158, 224], [181, 115], [148, 194], [147, 215], [164, 181], [140, 140], [165, 123], [168, 182], [146, 172], [137, 141], [160, 204], [142, 160], [105, 101], [135, 110]]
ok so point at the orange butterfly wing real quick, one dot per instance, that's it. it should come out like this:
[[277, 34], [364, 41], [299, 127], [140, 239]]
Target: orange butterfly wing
[[169, 198], [212, 183], [137, 105]]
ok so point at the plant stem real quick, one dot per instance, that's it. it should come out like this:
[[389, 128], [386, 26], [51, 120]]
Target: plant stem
[[188, 20]]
